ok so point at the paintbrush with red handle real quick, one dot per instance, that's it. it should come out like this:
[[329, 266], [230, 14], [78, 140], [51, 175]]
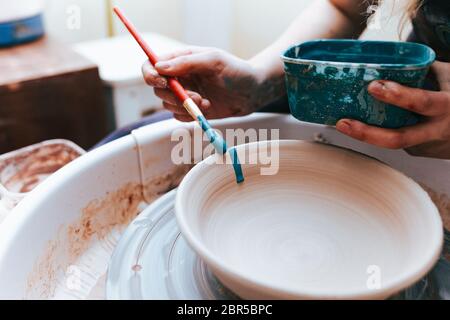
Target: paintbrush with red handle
[[189, 104]]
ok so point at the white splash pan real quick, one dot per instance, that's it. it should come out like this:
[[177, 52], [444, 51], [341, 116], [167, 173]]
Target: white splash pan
[[58, 241]]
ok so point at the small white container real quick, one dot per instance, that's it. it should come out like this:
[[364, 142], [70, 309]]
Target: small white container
[[22, 170]]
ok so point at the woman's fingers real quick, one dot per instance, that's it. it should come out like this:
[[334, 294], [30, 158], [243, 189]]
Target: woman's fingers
[[167, 96], [175, 109], [179, 112], [151, 76], [428, 103], [172, 103], [390, 138], [183, 118], [181, 52], [208, 62], [432, 104], [442, 72]]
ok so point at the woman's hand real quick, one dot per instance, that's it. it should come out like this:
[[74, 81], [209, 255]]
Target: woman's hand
[[221, 84], [430, 137]]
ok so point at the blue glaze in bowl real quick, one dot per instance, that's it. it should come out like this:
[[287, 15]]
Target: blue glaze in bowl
[[327, 79]]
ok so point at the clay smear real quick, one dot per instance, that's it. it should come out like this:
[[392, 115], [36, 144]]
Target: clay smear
[[23, 173], [442, 202], [75, 263], [98, 220], [160, 185]]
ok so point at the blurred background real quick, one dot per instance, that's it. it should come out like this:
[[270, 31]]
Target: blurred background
[[243, 27], [69, 69]]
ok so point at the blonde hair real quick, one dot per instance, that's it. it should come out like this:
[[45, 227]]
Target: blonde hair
[[410, 13], [412, 7]]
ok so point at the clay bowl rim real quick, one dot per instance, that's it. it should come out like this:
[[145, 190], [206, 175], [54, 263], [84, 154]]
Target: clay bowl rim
[[357, 65], [400, 282]]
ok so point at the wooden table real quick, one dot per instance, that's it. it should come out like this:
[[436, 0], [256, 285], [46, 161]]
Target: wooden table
[[48, 91]]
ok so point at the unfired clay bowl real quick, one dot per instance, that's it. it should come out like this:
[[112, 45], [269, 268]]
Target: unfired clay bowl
[[331, 224]]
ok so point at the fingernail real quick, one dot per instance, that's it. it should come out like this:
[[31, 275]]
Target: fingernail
[[377, 87], [161, 82], [205, 104], [344, 126], [162, 65]]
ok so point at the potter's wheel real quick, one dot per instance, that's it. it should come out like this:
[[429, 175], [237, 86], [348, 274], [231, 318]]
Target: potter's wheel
[[153, 261]]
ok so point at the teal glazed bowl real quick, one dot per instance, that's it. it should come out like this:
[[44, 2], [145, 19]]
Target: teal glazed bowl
[[327, 80]]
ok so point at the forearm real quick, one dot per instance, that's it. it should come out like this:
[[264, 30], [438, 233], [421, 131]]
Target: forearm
[[310, 24]]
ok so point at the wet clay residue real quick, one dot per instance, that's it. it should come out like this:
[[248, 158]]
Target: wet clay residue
[[156, 187], [98, 219], [442, 202], [44, 276], [25, 171], [100, 222]]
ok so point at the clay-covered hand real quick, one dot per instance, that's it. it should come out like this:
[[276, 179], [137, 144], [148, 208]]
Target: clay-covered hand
[[221, 84], [431, 137]]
